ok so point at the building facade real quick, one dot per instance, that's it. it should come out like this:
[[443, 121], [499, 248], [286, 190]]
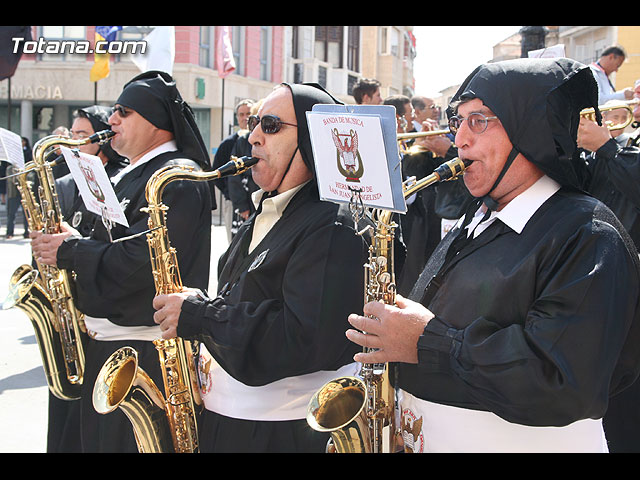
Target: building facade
[[586, 43], [48, 87], [582, 43]]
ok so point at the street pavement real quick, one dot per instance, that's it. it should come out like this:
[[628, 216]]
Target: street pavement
[[23, 388]]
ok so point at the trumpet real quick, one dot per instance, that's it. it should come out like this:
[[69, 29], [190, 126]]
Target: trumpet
[[611, 109], [429, 133], [404, 137]]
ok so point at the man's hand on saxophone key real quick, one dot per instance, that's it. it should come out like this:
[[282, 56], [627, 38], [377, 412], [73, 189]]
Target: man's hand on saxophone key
[[393, 331], [168, 309], [44, 246]]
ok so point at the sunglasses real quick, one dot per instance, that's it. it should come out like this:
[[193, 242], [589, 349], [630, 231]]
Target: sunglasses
[[123, 112], [476, 121], [270, 124]]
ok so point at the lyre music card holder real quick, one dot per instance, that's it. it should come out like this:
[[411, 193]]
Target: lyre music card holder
[[94, 185], [356, 155]]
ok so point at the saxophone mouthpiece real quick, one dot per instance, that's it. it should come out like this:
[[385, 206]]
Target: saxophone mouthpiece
[[452, 168], [236, 166], [248, 161], [102, 136]]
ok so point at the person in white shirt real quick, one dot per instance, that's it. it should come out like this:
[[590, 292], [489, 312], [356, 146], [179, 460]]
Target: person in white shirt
[[609, 62]]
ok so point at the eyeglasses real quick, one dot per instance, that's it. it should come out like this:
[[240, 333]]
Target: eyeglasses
[[477, 122], [270, 124], [79, 135], [123, 112]]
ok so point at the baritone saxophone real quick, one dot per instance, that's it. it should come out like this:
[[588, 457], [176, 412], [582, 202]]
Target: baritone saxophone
[[44, 292], [359, 412], [169, 423]]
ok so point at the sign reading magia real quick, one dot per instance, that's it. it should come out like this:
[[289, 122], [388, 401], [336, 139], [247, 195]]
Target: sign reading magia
[[353, 156], [94, 185]]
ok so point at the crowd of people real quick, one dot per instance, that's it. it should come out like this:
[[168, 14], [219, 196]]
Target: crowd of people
[[516, 323]]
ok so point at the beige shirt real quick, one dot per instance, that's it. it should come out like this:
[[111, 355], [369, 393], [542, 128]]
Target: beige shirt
[[272, 209]]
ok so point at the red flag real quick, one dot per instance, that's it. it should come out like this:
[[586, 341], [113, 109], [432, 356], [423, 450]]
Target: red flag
[[225, 63]]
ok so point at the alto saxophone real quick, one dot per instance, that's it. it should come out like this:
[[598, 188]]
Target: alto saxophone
[[44, 293], [121, 383], [359, 412]]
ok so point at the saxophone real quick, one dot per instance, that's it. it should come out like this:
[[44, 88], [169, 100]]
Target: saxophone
[[44, 293], [359, 412], [121, 383]]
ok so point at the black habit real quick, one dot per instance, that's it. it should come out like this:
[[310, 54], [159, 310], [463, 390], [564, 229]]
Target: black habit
[[114, 281], [281, 312], [541, 327], [538, 337]]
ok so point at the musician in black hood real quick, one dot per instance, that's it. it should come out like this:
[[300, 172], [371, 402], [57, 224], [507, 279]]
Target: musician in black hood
[[525, 319], [88, 121], [63, 434], [114, 287], [274, 334]]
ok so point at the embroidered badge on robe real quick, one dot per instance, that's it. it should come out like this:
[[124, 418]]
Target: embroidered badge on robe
[[76, 220], [258, 260], [412, 432]]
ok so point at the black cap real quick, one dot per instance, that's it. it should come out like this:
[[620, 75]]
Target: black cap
[[155, 97], [305, 96], [98, 116]]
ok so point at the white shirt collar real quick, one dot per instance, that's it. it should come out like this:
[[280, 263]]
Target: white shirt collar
[[518, 211], [169, 146], [272, 209]]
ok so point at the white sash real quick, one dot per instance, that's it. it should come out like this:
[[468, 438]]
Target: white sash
[[434, 428], [285, 399], [105, 330]]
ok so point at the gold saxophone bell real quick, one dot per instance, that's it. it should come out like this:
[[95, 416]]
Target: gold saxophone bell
[[359, 413], [339, 407], [27, 294], [122, 384], [161, 423]]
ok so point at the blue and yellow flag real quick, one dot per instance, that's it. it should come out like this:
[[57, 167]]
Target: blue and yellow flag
[[100, 67]]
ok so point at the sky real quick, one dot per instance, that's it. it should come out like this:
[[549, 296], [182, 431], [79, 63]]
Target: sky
[[446, 55]]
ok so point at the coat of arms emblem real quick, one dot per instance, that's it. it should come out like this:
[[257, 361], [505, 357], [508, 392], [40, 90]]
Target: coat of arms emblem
[[348, 157], [92, 183]]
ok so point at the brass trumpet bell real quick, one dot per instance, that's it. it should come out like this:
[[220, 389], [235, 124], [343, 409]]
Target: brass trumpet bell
[[615, 115]]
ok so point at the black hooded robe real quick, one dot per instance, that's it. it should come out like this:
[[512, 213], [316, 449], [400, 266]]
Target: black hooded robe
[[612, 175], [114, 280], [281, 313], [537, 327]]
